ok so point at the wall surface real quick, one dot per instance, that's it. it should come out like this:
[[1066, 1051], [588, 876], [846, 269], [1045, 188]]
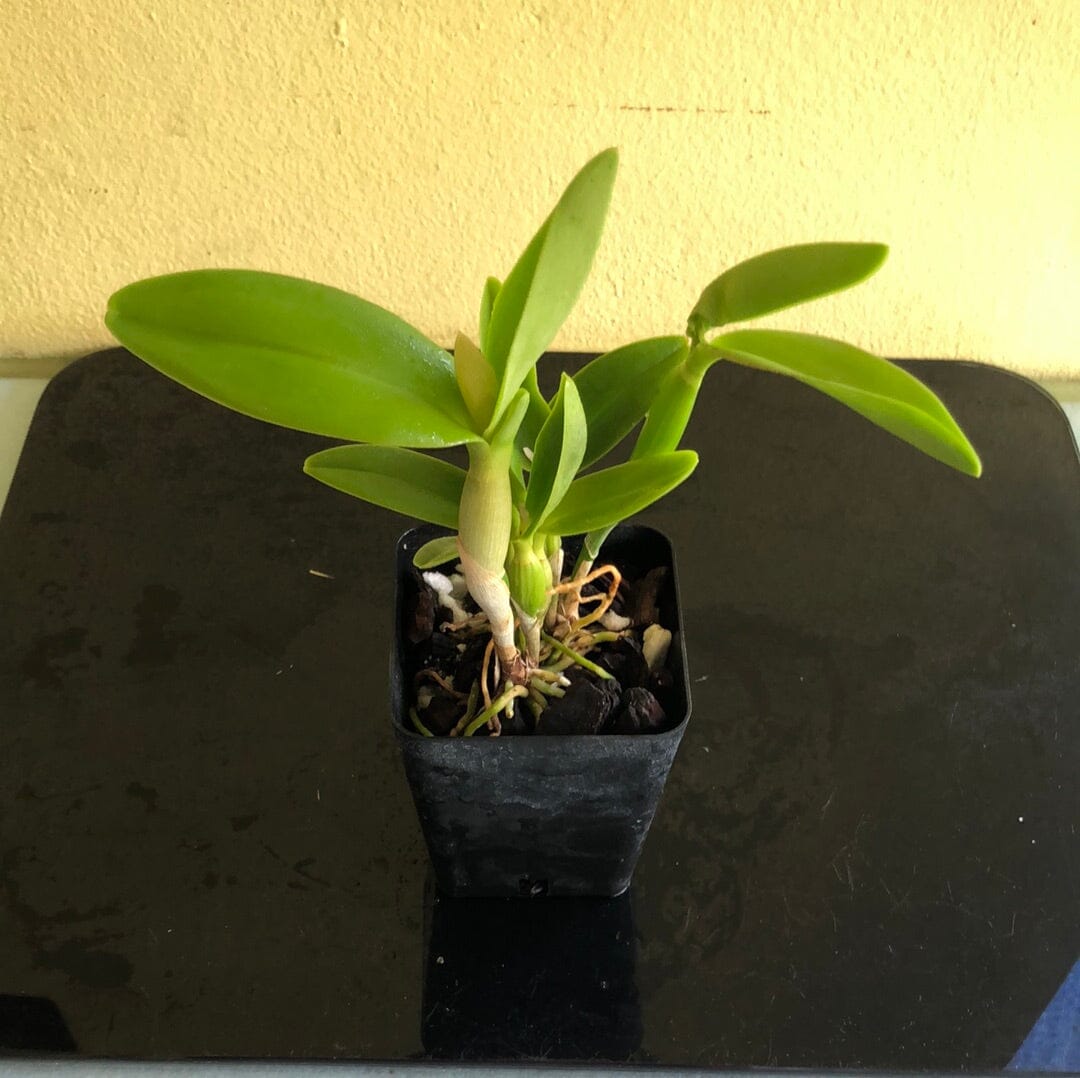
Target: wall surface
[[405, 150]]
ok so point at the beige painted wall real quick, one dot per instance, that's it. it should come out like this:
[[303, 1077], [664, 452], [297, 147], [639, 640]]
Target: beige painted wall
[[404, 150]]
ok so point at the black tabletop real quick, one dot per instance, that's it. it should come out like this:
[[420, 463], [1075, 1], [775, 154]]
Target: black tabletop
[[866, 856]]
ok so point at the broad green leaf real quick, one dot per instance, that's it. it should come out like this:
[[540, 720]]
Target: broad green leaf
[[399, 479], [487, 302], [613, 494], [295, 353], [557, 457], [875, 388], [782, 278], [436, 552], [620, 386], [545, 283], [475, 379]]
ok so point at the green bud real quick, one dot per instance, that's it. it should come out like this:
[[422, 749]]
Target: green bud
[[529, 577]]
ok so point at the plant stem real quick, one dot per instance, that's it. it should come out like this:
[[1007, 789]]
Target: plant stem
[[485, 523]]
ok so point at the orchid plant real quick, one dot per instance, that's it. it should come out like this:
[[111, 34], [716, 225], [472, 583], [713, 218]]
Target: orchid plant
[[317, 359]]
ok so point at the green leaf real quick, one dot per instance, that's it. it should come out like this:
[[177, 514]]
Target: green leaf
[[487, 303], [436, 552], [475, 379], [504, 433], [782, 278], [558, 453], [531, 425], [613, 494], [399, 479], [545, 283], [517, 486], [619, 387], [875, 388], [295, 353], [669, 414]]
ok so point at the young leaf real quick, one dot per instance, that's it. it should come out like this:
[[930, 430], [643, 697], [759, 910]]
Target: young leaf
[[875, 388], [782, 278], [534, 420], [557, 457], [295, 353], [517, 487], [399, 479], [436, 552], [475, 379], [619, 387], [487, 302], [608, 496], [543, 286], [503, 434]]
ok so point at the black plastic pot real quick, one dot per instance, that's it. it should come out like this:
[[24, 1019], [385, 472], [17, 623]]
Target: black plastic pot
[[531, 816]]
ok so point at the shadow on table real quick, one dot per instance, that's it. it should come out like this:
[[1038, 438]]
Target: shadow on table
[[517, 978], [33, 1024]]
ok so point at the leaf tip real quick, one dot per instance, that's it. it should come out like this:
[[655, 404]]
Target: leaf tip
[[879, 252], [609, 157]]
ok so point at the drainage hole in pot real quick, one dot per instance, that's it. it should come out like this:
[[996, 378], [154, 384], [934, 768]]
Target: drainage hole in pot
[[532, 888]]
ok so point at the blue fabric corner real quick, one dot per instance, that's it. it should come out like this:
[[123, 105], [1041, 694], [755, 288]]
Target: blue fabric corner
[[1054, 1041]]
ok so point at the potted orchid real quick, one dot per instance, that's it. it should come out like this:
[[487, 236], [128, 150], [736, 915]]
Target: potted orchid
[[537, 693]]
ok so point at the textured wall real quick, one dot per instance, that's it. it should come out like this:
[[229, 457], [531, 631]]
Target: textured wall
[[404, 150]]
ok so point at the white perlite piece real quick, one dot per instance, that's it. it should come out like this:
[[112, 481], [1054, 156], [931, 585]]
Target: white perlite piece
[[458, 588], [443, 586], [614, 623], [654, 646]]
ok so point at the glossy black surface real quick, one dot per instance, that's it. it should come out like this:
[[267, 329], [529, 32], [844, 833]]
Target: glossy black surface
[[866, 855]]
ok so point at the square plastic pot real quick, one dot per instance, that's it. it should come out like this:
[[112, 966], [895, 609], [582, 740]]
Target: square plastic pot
[[550, 815]]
